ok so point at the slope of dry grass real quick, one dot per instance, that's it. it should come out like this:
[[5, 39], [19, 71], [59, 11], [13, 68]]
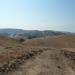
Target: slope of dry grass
[[60, 48], [63, 41]]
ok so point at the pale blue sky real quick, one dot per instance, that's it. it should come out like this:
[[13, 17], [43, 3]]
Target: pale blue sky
[[38, 14]]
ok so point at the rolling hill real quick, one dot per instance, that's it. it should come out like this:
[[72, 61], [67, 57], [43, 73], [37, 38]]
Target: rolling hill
[[19, 33]]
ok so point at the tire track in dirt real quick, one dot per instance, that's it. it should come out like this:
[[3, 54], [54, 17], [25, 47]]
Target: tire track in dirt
[[49, 62]]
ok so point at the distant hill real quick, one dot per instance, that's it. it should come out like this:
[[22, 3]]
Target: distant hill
[[16, 33]]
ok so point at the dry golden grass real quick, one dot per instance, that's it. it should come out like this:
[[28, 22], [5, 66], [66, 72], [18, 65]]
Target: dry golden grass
[[63, 41]]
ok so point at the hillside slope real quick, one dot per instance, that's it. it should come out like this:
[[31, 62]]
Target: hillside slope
[[52, 55]]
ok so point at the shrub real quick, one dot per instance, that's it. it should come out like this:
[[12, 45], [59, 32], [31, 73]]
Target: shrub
[[21, 40]]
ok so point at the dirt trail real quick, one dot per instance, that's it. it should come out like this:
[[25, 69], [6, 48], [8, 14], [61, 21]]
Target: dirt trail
[[49, 62], [19, 57]]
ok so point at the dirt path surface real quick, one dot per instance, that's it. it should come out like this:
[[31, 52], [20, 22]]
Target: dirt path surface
[[49, 62]]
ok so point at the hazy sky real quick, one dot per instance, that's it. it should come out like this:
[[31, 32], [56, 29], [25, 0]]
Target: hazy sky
[[38, 14]]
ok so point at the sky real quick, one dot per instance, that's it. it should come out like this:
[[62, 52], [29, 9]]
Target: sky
[[56, 15]]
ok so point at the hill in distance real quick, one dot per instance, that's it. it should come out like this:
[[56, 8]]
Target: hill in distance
[[16, 33]]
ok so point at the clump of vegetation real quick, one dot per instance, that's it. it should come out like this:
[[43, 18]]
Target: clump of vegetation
[[21, 40], [31, 37]]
